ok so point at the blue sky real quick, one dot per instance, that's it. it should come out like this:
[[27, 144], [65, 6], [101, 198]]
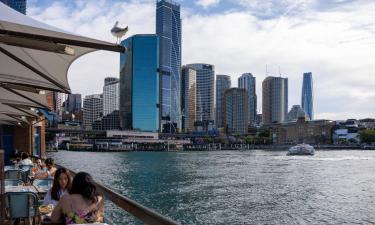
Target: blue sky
[[334, 39]]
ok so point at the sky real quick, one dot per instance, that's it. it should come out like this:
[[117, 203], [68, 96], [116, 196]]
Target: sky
[[333, 39]]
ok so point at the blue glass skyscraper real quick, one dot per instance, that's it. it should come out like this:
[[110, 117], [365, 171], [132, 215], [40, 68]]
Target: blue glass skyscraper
[[139, 83], [307, 95], [168, 28], [19, 5]]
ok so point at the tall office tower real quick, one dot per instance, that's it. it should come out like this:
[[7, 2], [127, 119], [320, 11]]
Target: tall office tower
[[223, 83], [205, 91], [19, 5], [275, 100], [73, 103], [139, 83], [307, 101], [168, 28], [236, 109], [248, 82], [188, 98], [111, 95], [92, 109]]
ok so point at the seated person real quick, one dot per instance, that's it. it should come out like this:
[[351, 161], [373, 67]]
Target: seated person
[[25, 160], [61, 185], [51, 169], [83, 204]]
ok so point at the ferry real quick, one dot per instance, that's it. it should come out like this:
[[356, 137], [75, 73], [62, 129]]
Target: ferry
[[301, 149]]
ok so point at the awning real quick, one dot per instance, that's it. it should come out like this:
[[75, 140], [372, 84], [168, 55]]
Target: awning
[[38, 55], [22, 98]]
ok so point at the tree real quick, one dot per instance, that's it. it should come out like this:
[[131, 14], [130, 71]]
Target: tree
[[367, 136]]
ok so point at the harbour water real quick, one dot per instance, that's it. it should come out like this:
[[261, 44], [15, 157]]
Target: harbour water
[[238, 187]]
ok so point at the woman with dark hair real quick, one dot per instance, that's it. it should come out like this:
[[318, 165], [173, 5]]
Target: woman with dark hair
[[25, 159], [83, 204], [61, 185]]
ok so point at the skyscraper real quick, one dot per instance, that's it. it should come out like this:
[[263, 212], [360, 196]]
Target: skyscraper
[[19, 5], [248, 82], [111, 95], [205, 91], [188, 98], [307, 101], [139, 83], [275, 100], [223, 83], [92, 109], [236, 110], [168, 28]]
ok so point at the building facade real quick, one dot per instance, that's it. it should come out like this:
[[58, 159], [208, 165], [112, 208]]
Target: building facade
[[248, 81], [139, 83], [275, 100], [18, 5], [72, 108], [111, 95], [303, 131], [92, 109], [295, 112], [236, 110], [110, 121], [168, 28], [188, 98], [223, 83], [307, 101], [205, 91]]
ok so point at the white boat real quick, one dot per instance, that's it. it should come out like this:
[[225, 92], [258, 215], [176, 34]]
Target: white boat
[[301, 149]]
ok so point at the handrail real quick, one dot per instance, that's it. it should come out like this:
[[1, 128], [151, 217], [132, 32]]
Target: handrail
[[148, 216]]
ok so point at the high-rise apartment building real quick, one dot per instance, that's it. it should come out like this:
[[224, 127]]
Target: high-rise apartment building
[[223, 83], [92, 109], [236, 110], [275, 100], [18, 5], [188, 98], [307, 101], [205, 91], [111, 95], [168, 28], [247, 81], [139, 83]]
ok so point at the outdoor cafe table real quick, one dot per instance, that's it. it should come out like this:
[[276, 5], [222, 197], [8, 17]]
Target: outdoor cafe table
[[20, 189]]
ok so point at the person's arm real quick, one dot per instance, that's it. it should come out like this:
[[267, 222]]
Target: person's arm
[[57, 213], [47, 199], [100, 217]]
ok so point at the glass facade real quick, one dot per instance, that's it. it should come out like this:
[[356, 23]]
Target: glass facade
[[248, 82], [18, 5], [188, 98], [139, 83], [223, 83], [274, 100], [168, 28], [307, 95]]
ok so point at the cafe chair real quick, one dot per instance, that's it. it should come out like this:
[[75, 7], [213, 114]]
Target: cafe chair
[[12, 182], [13, 174], [21, 205]]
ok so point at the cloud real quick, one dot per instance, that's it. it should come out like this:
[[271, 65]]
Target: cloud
[[207, 3], [334, 41]]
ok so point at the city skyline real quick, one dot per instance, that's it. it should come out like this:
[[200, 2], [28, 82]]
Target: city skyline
[[300, 33]]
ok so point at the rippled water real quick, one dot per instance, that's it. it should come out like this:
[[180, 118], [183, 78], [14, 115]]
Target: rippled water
[[238, 187]]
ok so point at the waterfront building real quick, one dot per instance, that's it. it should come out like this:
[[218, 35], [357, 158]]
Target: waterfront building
[[275, 100], [205, 92], [111, 95], [303, 131], [168, 28], [236, 110], [139, 83], [223, 83], [296, 112], [188, 98], [248, 82], [92, 109], [110, 121], [18, 5], [307, 101]]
